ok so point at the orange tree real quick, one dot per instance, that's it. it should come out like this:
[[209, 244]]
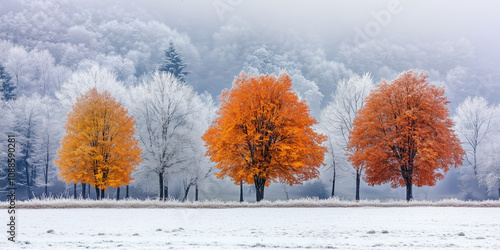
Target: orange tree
[[263, 134], [403, 135], [99, 147]]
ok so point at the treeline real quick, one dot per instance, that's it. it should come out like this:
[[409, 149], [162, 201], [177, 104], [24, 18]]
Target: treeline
[[171, 118]]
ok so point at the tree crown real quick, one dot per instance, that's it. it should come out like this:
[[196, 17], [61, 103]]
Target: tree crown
[[264, 131], [404, 131], [99, 147], [7, 87], [173, 63]]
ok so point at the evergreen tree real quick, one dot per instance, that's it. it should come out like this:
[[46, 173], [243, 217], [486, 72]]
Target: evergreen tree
[[173, 63], [7, 87]]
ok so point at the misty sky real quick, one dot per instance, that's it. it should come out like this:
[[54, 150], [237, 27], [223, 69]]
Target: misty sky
[[328, 25], [330, 22]]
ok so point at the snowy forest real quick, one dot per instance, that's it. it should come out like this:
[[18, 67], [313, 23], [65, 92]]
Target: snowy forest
[[53, 51]]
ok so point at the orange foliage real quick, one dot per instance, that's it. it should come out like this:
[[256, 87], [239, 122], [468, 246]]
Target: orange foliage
[[404, 135], [264, 133], [99, 147]]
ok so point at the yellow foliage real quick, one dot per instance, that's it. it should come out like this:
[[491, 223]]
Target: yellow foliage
[[99, 147]]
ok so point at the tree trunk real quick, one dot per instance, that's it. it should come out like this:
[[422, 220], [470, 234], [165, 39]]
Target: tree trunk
[[102, 193], [165, 188], [83, 190], [475, 162], [260, 183], [118, 193], [286, 191], [358, 181], [241, 191], [196, 193], [74, 190], [407, 172], [97, 193], [409, 194], [186, 192], [28, 183], [160, 175], [46, 176], [333, 180], [126, 193]]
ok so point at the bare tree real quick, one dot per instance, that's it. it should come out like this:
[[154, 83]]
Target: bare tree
[[28, 119], [474, 120], [473, 123], [18, 65], [489, 173], [200, 168], [49, 133], [337, 119], [164, 111]]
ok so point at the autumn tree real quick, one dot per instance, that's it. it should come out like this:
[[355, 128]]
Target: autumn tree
[[403, 134], [80, 82], [263, 134], [99, 147]]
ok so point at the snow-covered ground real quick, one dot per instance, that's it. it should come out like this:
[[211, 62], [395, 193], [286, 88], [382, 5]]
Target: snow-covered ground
[[258, 228]]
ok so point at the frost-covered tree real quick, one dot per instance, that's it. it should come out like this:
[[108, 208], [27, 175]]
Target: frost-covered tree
[[474, 120], [18, 64], [7, 87], [43, 63], [28, 119], [489, 173], [46, 143], [164, 111], [334, 158], [61, 74], [6, 128], [200, 168], [338, 116], [93, 77], [473, 124], [173, 64]]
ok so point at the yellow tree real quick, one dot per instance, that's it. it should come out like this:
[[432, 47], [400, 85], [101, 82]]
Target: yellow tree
[[263, 134], [99, 147]]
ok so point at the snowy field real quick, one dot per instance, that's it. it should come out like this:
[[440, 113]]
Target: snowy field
[[369, 227]]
